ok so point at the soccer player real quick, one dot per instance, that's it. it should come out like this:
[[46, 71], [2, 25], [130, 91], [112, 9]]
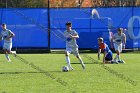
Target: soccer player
[[71, 45], [119, 40], [103, 47], [7, 35]]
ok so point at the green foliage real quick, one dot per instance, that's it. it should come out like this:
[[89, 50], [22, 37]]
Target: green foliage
[[23, 3]]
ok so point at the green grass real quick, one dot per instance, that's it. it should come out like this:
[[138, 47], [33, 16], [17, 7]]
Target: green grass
[[18, 77]]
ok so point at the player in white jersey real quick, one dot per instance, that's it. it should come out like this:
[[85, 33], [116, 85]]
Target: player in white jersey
[[7, 35], [71, 45], [119, 40]]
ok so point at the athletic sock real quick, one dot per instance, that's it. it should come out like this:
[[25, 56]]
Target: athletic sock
[[68, 62], [14, 53], [7, 57], [116, 58], [82, 63], [119, 58]]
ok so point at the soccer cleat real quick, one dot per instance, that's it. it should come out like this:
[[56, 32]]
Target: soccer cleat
[[9, 60], [114, 62], [121, 61], [71, 69]]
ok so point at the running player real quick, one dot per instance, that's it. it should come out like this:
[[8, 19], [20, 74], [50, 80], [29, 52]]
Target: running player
[[7, 35], [119, 40], [103, 47], [71, 45]]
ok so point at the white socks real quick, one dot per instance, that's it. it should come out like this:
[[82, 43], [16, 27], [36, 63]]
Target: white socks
[[82, 63], [68, 62], [117, 57], [7, 57], [14, 53], [69, 65]]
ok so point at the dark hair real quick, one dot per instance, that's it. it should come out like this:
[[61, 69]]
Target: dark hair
[[120, 29], [68, 23], [3, 24], [101, 39]]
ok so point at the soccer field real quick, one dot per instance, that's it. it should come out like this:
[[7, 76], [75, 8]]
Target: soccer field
[[41, 73]]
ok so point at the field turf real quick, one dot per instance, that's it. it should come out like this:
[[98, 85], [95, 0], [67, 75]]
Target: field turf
[[41, 73]]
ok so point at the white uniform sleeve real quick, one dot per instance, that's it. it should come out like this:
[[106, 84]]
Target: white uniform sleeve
[[10, 32], [75, 33], [124, 35], [65, 34]]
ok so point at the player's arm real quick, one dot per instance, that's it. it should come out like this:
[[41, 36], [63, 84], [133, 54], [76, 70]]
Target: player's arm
[[124, 41], [104, 57], [99, 52], [112, 41], [11, 34], [75, 35]]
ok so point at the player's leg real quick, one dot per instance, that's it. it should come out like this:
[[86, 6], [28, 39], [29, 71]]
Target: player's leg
[[6, 52], [14, 53], [119, 52], [67, 53], [76, 53], [116, 46], [6, 55], [11, 52], [109, 58], [81, 61], [9, 47]]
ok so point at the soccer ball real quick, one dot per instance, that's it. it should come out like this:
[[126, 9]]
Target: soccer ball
[[65, 68]]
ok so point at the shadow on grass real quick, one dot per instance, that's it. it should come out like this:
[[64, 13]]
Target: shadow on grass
[[86, 63], [26, 72]]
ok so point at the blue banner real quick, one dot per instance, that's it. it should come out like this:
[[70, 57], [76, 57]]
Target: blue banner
[[31, 25]]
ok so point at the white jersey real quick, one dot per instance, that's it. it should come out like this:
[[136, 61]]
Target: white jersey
[[70, 42], [118, 39], [5, 34]]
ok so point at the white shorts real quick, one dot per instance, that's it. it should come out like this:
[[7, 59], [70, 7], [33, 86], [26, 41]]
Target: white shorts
[[118, 47], [72, 50], [7, 46]]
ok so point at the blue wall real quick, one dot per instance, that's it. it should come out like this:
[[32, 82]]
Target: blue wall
[[30, 25], [25, 23]]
